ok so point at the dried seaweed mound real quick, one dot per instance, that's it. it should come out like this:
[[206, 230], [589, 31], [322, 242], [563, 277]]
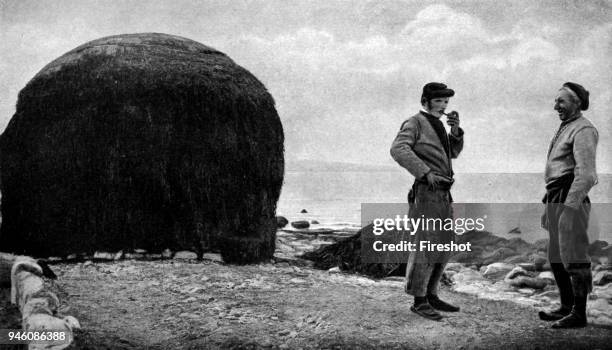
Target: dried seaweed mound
[[145, 141], [346, 254]]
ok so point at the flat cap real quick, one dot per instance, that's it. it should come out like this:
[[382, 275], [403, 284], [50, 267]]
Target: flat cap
[[581, 92], [436, 90]]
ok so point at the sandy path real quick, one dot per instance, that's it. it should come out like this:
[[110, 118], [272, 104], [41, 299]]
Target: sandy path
[[192, 305]]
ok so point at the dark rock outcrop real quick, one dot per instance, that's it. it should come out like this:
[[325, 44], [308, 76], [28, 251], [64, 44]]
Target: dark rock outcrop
[[300, 224]]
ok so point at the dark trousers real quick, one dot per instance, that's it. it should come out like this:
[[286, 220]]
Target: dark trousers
[[424, 269], [568, 249]]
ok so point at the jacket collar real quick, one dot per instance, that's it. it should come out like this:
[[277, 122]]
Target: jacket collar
[[576, 116], [427, 114]]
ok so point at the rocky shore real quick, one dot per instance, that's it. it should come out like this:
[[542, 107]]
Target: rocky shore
[[138, 300], [495, 269]]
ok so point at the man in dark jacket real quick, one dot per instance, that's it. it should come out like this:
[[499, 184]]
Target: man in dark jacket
[[570, 174], [425, 149]]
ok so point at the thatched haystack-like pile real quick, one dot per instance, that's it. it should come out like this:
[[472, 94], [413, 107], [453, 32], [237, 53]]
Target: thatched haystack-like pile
[[145, 141]]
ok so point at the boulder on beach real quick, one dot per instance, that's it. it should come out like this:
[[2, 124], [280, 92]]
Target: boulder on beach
[[146, 141], [528, 282], [302, 224], [548, 276], [281, 221], [602, 277], [603, 292], [486, 249], [496, 270], [520, 278], [515, 272]]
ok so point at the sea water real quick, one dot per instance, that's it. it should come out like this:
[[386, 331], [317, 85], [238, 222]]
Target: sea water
[[512, 201]]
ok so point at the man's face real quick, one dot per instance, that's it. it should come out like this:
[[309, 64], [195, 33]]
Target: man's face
[[436, 106], [565, 105]]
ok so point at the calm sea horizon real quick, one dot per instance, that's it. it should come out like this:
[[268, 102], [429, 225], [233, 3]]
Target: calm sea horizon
[[511, 200]]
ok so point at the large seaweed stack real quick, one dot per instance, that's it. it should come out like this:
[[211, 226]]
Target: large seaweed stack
[[142, 141]]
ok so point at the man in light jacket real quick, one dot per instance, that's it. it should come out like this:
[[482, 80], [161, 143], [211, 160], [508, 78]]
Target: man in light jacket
[[425, 149], [570, 174]]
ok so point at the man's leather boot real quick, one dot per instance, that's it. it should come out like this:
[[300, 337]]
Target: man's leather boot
[[577, 317], [566, 293]]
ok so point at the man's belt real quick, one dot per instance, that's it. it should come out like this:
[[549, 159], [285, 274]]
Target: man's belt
[[444, 185], [556, 191], [561, 182]]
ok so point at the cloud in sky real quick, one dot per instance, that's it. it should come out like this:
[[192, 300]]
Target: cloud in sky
[[346, 74]]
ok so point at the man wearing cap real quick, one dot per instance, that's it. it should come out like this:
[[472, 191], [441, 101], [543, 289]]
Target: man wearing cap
[[425, 149], [569, 175]]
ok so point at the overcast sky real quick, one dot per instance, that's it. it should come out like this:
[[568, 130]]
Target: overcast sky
[[346, 74]]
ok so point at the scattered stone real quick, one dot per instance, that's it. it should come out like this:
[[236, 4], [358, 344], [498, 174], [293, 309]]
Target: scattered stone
[[603, 267], [528, 266], [526, 291], [600, 312], [548, 276], [447, 276], [467, 275], [118, 255], [281, 221], [103, 256], [603, 292], [497, 270], [602, 277], [185, 255], [300, 224], [527, 282], [132, 256], [167, 253], [298, 281], [517, 271], [550, 294], [453, 266], [539, 262], [140, 251]]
